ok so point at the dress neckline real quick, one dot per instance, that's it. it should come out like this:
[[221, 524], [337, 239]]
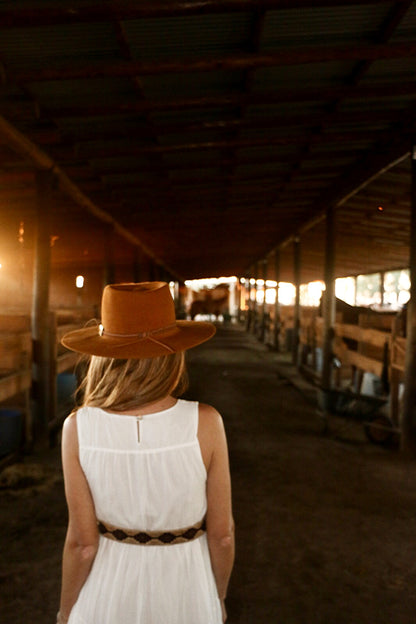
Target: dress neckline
[[142, 416]]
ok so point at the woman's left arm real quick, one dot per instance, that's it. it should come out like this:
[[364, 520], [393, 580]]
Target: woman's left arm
[[81, 541]]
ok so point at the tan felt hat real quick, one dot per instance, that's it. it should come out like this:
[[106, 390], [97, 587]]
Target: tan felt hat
[[138, 321]]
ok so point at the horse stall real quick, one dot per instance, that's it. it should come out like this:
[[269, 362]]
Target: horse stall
[[367, 367], [16, 377], [68, 365], [15, 383], [287, 323]]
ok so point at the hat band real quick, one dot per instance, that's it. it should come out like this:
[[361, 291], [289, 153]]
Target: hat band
[[103, 331]]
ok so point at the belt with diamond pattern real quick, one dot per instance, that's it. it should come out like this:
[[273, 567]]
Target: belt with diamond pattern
[[152, 538]]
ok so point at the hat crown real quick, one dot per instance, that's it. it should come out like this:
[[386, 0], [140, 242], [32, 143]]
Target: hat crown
[[128, 309]]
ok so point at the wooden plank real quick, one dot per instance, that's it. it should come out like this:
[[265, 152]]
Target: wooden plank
[[14, 384], [14, 323], [362, 362], [15, 342], [372, 337], [377, 321], [398, 353], [15, 360]]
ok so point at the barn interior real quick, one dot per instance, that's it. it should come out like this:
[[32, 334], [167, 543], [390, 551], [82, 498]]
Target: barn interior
[[195, 139], [177, 140], [181, 140]]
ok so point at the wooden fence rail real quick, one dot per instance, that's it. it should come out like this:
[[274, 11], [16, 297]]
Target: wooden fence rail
[[16, 356]]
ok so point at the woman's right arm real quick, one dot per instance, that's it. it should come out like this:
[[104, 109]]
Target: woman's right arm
[[220, 523]]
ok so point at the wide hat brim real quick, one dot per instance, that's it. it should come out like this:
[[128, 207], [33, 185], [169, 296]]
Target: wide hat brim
[[182, 336]]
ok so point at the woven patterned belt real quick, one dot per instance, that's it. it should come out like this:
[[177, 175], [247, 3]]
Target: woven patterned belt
[[152, 538]]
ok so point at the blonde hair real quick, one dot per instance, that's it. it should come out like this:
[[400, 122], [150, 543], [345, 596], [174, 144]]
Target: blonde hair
[[127, 384]]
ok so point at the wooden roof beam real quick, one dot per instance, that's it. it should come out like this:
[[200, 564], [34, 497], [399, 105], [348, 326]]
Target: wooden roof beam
[[127, 10], [379, 92], [42, 161], [286, 57], [86, 151]]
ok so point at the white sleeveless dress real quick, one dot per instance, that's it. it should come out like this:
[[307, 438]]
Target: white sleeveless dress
[[150, 480]]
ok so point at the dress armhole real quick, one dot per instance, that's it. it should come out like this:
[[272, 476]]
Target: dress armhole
[[196, 420], [78, 415]]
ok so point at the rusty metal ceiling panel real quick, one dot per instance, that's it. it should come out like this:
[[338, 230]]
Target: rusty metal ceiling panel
[[305, 108], [246, 115], [317, 75], [55, 93], [323, 25], [391, 71], [188, 37], [389, 102], [192, 84], [405, 30], [74, 43]]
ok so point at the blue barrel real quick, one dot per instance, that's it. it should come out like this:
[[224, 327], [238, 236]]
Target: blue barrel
[[10, 430]]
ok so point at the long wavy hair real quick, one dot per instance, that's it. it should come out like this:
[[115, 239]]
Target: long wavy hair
[[121, 385]]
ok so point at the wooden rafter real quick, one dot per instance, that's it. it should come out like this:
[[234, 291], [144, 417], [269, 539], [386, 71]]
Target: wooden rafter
[[286, 57], [127, 10]]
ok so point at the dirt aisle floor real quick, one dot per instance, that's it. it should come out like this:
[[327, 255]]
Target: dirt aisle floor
[[326, 524]]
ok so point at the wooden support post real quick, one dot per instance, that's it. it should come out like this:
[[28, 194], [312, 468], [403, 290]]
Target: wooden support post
[[176, 296], [181, 305], [264, 309], [254, 327], [328, 301], [296, 315], [276, 303], [408, 420], [238, 291], [249, 317], [382, 291], [43, 372]]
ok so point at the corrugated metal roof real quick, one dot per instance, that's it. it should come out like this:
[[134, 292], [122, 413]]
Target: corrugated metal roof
[[210, 109], [391, 71], [188, 37], [318, 75], [28, 47], [191, 84], [405, 30], [323, 25]]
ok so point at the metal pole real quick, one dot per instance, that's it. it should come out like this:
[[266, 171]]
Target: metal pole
[[408, 420]]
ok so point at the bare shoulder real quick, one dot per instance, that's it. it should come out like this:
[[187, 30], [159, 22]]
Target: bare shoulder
[[209, 417], [210, 432], [70, 432]]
